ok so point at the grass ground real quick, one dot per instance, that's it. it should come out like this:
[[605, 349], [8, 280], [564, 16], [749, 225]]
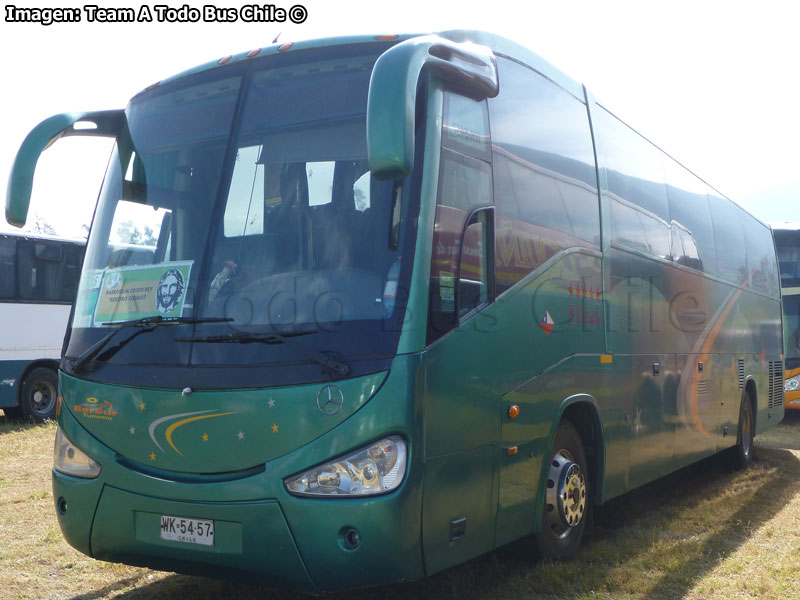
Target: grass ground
[[703, 532]]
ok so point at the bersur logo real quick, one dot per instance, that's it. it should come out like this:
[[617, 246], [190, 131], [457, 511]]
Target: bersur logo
[[94, 408]]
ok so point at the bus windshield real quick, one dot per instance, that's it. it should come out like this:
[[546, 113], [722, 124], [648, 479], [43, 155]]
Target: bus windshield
[[240, 201]]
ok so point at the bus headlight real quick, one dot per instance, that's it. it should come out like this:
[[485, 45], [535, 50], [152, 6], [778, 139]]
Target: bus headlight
[[70, 460], [374, 469], [791, 384]]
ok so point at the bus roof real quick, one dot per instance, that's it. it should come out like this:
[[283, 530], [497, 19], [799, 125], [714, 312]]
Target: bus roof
[[498, 44]]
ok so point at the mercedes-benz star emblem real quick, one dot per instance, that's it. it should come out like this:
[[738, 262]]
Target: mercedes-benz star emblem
[[330, 400]]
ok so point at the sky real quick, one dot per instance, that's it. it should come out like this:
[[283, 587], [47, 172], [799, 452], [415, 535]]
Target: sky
[[712, 83]]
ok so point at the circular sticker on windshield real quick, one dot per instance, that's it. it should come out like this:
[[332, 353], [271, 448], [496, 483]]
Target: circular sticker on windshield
[[169, 291], [113, 280]]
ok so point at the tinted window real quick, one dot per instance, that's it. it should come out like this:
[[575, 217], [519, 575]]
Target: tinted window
[[787, 244], [8, 268], [761, 263], [731, 254], [692, 233], [635, 180], [465, 181], [48, 271], [545, 180], [466, 126]]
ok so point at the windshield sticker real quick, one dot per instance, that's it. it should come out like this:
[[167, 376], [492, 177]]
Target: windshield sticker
[[87, 298], [220, 279], [129, 293], [447, 291]]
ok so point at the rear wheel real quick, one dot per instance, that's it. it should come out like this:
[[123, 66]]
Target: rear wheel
[[742, 453], [566, 504], [39, 393]]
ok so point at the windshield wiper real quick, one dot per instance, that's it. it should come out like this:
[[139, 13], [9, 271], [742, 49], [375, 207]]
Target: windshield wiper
[[141, 326], [328, 363]]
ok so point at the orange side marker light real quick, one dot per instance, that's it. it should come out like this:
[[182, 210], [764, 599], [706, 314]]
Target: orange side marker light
[[513, 411]]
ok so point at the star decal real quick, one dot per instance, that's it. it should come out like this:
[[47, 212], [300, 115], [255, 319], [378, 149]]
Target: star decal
[[240, 435], [132, 430], [274, 429], [142, 406], [205, 437], [152, 456], [271, 403]]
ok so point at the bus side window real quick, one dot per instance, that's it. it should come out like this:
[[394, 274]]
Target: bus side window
[[690, 214], [636, 181], [727, 218], [465, 182], [8, 268], [761, 265], [545, 182]]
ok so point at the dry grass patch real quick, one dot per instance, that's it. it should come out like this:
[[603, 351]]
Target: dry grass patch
[[703, 532]]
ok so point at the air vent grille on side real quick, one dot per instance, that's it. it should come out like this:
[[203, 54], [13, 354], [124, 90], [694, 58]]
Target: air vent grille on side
[[741, 373], [775, 383]]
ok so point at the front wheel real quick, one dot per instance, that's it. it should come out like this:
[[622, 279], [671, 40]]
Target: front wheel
[[39, 393], [567, 502]]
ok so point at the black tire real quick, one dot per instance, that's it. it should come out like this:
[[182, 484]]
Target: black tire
[[743, 452], [567, 503], [39, 394]]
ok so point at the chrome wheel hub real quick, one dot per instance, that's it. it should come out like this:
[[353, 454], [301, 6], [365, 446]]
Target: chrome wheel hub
[[565, 501], [44, 396], [747, 439]]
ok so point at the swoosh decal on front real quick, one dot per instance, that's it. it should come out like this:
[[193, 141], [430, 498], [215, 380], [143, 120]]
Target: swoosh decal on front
[[174, 426], [158, 422]]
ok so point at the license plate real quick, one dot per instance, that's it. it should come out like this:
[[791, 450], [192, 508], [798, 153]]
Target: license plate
[[188, 531]]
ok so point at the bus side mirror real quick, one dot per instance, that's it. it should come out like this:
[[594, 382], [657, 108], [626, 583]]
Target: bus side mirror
[[467, 68], [106, 123]]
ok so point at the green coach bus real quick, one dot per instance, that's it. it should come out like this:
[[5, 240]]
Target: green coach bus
[[406, 299]]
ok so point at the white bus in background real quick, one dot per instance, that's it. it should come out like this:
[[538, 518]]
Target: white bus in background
[[38, 282]]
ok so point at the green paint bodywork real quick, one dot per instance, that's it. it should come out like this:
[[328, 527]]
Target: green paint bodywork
[[208, 431], [107, 517], [622, 362]]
